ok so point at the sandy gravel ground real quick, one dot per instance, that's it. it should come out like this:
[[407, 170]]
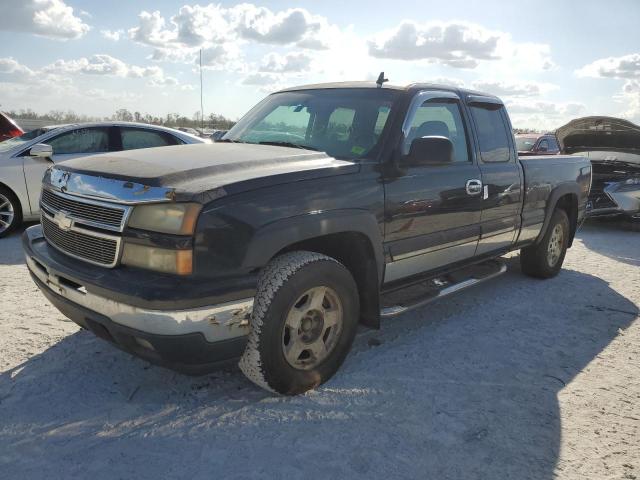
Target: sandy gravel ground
[[515, 379]]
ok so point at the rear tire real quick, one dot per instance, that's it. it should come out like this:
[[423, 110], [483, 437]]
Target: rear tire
[[10, 212], [305, 316], [544, 260]]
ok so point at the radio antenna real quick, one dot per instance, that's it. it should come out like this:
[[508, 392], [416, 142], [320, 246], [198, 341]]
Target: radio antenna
[[381, 80]]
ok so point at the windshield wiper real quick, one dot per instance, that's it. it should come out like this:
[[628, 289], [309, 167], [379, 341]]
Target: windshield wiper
[[289, 144]]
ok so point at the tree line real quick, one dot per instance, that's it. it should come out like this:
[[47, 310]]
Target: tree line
[[213, 120]]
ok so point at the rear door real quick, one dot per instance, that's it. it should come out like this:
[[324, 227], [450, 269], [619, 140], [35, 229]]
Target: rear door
[[501, 175], [133, 138], [431, 216]]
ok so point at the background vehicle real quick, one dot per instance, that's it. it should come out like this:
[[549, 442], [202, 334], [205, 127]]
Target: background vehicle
[[24, 159], [190, 131], [325, 206], [8, 128], [218, 134], [613, 147], [528, 144]]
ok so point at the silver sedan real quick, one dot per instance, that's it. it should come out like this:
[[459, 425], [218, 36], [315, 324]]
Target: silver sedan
[[24, 159]]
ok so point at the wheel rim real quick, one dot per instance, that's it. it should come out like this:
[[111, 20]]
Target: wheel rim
[[7, 213], [312, 328], [554, 249]]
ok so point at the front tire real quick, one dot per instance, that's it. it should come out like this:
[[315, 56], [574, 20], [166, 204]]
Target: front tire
[[304, 320], [10, 212], [545, 259]]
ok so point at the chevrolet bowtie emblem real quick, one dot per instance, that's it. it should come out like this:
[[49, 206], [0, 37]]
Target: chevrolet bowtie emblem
[[63, 221]]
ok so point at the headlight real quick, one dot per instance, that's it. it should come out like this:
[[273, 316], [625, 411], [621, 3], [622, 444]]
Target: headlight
[[175, 218], [179, 262]]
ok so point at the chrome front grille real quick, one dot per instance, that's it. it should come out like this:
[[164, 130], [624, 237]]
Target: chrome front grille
[[83, 228], [82, 244], [92, 213]]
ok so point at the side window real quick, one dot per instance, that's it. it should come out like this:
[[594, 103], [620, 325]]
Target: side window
[[492, 134], [134, 138], [553, 145], [543, 145], [439, 118], [339, 124], [82, 140]]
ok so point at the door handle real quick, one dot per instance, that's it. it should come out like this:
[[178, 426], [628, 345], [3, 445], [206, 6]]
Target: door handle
[[474, 187]]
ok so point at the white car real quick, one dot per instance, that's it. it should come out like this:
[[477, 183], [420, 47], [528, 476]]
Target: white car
[[24, 159]]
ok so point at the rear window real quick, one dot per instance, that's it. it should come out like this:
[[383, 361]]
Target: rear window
[[135, 138], [493, 138]]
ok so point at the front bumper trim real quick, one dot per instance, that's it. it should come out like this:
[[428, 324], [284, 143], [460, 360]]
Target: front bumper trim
[[216, 323]]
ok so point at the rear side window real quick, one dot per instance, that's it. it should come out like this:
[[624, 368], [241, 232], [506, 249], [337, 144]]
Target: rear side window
[[82, 140], [134, 138], [492, 134]]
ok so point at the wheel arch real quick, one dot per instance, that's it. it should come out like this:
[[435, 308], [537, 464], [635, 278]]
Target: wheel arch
[[352, 237], [564, 196]]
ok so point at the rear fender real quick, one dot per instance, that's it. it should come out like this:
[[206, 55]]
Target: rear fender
[[569, 188]]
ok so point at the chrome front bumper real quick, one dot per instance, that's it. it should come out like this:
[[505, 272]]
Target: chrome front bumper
[[216, 322]]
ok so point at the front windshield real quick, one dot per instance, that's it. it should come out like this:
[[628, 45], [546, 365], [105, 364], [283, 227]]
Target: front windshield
[[525, 144], [344, 123], [16, 141]]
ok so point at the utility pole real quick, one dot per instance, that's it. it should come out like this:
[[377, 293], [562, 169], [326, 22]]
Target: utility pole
[[201, 100]]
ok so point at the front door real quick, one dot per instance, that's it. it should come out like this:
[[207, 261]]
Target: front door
[[432, 212]]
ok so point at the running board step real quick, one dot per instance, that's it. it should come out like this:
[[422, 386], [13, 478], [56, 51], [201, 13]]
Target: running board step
[[414, 296]]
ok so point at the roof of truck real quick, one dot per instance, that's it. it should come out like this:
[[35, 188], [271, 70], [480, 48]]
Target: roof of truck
[[387, 86]]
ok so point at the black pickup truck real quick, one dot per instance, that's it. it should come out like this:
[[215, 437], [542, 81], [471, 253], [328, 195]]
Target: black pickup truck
[[325, 207]]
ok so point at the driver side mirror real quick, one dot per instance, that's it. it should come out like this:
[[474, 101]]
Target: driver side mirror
[[41, 150], [432, 150]]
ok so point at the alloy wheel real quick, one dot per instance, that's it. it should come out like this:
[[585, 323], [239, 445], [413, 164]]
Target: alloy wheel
[[7, 214], [554, 249], [312, 328]]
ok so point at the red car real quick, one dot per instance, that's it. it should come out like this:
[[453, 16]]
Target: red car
[[8, 128], [536, 144]]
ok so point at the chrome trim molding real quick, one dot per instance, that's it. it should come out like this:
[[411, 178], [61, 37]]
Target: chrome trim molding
[[101, 188], [435, 248], [216, 322], [433, 259]]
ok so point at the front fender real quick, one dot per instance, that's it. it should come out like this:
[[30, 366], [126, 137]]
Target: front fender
[[274, 237]]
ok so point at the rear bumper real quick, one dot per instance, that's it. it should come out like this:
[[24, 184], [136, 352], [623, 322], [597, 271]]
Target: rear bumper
[[192, 340]]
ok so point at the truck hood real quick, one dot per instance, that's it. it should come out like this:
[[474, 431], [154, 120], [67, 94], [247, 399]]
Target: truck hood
[[200, 172], [599, 134]]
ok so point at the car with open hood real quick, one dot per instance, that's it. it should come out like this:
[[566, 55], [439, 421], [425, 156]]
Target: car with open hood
[[613, 147]]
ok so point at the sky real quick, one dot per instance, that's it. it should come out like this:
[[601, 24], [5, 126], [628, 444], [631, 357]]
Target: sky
[[550, 61]]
